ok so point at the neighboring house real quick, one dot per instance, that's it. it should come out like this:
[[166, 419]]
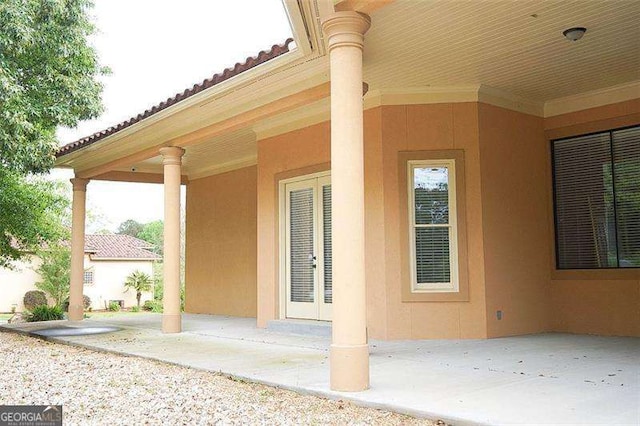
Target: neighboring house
[[108, 260], [480, 184]]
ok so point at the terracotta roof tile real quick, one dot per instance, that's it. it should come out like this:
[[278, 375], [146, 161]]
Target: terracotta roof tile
[[118, 247], [251, 62]]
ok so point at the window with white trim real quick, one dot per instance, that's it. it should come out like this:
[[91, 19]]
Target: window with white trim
[[88, 277], [433, 228]]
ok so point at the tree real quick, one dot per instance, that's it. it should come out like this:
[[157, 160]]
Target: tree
[[48, 78], [55, 271], [130, 227], [139, 282], [153, 232], [32, 211]]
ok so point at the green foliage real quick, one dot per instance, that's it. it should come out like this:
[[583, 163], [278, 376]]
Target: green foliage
[[55, 271], [139, 282], [182, 298], [86, 302], [130, 227], [48, 77], [152, 305], [153, 232], [44, 313], [158, 283], [33, 299], [158, 286], [135, 309], [32, 212], [114, 306]]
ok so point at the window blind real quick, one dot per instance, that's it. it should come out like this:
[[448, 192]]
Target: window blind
[[328, 264], [626, 157], [596, 194], [432, 226], [302, 245]]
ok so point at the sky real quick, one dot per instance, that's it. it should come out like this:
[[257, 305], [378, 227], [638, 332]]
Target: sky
[[155, 49]]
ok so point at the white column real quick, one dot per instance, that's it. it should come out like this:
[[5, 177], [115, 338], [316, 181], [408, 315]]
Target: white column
[[349, 354], [171, 316], [78, 213]]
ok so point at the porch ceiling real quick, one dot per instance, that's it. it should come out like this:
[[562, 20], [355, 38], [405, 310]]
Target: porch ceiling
[[225, 152], [516, 46]]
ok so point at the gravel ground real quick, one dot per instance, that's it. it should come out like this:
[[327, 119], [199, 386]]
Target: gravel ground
[[102, 388]]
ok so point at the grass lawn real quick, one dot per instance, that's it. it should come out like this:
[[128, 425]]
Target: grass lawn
[[4, 317]]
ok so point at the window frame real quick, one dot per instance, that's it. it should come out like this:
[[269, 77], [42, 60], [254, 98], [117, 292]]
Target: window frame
[[93, 276], [453, 286], [552, 144]]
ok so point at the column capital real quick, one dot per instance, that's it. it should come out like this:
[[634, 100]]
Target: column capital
[[79, 184], [172, 155], [346, 28]]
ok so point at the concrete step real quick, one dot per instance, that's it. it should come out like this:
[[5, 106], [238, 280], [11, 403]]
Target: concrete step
[[301, 327]]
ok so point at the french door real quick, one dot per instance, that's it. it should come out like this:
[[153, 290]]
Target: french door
[[308, 248]]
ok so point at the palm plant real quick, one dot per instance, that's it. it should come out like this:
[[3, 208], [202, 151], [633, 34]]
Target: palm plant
[[139, 282]]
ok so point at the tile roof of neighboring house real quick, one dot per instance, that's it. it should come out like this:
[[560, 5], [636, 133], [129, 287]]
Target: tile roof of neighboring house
[[251, 62], [118, 246]]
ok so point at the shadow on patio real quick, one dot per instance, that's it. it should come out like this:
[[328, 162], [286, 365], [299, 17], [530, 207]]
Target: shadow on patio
[[546, 378]]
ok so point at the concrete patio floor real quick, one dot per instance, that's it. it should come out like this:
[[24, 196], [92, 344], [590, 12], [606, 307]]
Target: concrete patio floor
[[535, 379]]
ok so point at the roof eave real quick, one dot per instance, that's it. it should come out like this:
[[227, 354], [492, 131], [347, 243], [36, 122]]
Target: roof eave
[[229, 85]]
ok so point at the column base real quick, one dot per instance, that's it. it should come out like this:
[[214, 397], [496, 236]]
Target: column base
[[349, 367], [76, 313], [171, 323]]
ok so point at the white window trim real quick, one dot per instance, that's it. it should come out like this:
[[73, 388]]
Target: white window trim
[[93, 276], [454, 285], [282, 237]]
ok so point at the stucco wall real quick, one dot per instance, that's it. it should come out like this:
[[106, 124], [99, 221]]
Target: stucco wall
[[297, 153], [14, 283], [221, 244], [425, 128], [109, 277], [514, 162], [388, 130], [509, 227], [603, 302]]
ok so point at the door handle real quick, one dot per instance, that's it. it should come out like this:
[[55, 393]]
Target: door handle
[[314, 263]]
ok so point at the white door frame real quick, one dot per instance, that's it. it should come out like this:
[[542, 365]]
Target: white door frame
[[282, 237]]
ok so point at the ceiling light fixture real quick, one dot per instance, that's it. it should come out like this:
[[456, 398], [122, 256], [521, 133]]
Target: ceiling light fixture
[[574, 34]]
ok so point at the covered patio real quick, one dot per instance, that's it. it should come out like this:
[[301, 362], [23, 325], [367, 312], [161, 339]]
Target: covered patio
[[304, 201], [546, 378]]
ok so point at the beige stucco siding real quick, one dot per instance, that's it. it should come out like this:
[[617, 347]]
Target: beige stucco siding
[[221, 244], [428, 128], [388, 131], [515, 160], [508, 234], [292, 154]]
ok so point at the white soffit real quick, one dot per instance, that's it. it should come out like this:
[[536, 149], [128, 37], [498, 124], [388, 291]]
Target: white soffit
[[514, 46], [236, 149]]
